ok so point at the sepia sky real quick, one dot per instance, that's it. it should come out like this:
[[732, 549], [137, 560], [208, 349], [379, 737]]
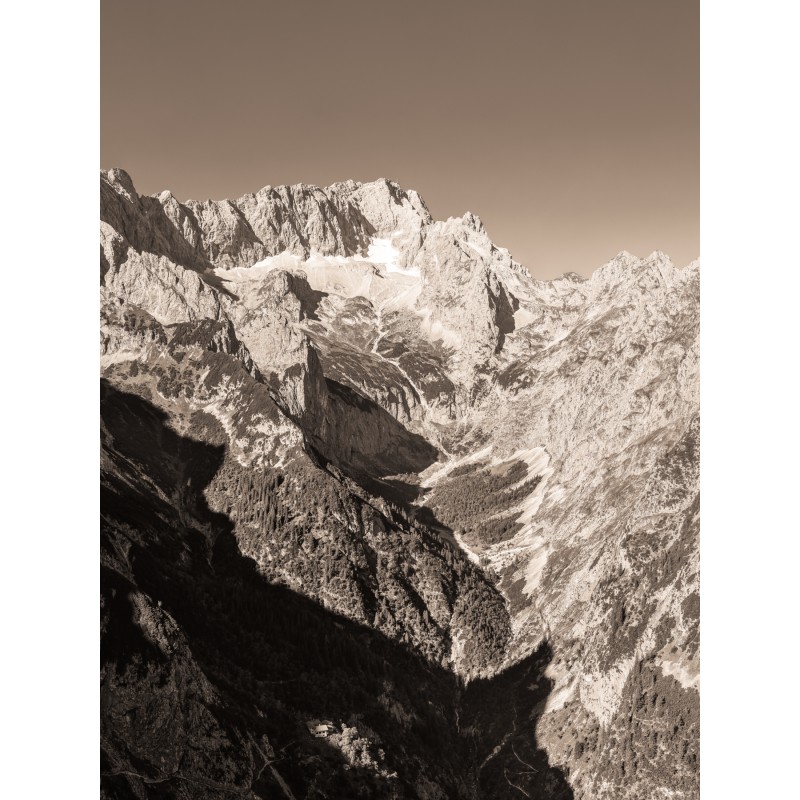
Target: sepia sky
[[571, 127]]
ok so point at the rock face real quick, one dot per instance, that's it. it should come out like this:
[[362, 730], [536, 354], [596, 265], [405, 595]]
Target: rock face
[[383, 515]]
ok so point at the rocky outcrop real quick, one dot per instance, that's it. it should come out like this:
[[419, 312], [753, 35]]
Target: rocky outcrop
[[128, 330], [464, 298], [170, 292], [144, 225], [214, 336]]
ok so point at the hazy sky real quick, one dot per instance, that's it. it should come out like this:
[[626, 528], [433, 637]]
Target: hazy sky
[[571, 127]]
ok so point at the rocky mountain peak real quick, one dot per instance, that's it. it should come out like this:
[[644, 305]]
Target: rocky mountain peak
[[122, 182], [473, 221]]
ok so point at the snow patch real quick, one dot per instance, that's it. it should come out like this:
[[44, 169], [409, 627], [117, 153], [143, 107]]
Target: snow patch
[[382, 251], [348, 276]]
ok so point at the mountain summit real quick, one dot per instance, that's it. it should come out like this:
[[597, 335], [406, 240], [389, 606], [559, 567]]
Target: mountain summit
[[385, 516]]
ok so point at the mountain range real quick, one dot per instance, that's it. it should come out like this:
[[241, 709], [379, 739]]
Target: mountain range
[[382, 514]]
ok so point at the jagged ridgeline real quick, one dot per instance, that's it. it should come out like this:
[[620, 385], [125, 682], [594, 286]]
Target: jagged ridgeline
[[383, 515]]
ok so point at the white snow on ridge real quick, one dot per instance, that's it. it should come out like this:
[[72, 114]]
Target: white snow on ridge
[[377, 276], [257, 271], [285, 260], [383, 252]]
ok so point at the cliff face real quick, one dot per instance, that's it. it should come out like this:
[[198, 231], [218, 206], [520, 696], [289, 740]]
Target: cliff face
[[382, 425], [341, 220]]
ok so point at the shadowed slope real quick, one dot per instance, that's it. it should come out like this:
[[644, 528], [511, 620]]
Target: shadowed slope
[[211, 675]]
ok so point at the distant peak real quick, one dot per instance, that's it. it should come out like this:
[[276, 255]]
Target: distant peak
[[120, 181], [118, 176], [474, 221], [659, 257]]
